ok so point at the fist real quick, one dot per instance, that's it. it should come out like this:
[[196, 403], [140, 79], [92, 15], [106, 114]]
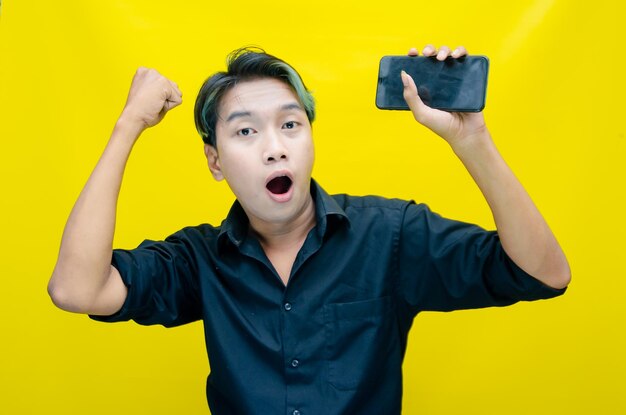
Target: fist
[[150, 97]]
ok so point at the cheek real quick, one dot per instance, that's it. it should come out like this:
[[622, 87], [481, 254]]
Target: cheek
[[308, 153], [238, 168]]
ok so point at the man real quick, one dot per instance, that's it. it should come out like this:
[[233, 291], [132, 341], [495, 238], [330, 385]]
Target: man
[[306, 298]]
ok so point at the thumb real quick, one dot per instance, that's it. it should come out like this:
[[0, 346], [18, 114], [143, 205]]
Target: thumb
[[172, 101], [173, 97], [412, 98]]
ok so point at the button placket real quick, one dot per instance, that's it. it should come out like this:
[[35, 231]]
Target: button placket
[[290, 319]]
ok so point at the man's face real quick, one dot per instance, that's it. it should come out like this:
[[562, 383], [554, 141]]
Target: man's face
[[264, 150]]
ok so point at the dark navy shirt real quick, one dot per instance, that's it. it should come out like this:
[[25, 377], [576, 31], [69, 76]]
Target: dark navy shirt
[[332, 341]]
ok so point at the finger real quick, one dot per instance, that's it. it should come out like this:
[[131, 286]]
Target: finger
[[443, 53], [459, 51], [169, 92], [411, 96], [429, 50], [174, 97], [172, 102], [175, 88], [413, 52], [141, 71]]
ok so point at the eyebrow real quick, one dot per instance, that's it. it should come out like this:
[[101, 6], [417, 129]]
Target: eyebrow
[[241, 114], [238, 114], [291, 106]]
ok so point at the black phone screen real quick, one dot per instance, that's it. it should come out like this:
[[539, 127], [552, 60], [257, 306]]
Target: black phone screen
[[451, 85]]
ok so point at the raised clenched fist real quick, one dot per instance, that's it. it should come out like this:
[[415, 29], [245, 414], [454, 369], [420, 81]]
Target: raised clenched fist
[[150, 97]]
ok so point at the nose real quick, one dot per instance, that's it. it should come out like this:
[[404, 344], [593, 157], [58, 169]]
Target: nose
[[275, 149]]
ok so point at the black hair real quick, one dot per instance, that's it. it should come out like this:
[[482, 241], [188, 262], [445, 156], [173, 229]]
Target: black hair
[[242, 65]]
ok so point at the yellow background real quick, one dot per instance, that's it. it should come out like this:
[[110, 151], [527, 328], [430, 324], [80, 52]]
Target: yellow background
[[555, 107]]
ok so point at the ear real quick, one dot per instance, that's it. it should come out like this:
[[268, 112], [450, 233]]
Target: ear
[[213, 161]]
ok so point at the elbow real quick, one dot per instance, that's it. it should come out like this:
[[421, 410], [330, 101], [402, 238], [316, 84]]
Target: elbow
[[565, 280], [559, 282], [561, 278], [555, 270], [58, 296], [63, 298]]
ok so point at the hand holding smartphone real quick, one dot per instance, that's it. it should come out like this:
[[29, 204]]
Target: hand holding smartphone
[[454, 85]]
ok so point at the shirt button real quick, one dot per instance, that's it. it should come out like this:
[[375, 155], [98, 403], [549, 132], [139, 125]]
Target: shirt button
[[287, 306], [295, 412], [295, 362]]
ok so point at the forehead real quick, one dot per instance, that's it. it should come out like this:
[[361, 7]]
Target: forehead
[[255, 95]]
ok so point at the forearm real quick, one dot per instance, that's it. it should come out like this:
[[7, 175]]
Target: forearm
[[525, 235], [84, 263]]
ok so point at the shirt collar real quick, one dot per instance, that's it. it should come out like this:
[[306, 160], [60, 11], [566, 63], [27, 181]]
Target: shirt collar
[[328, 215]]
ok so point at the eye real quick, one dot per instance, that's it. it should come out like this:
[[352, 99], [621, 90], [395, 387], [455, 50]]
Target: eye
[[290, 125], [245, 132]]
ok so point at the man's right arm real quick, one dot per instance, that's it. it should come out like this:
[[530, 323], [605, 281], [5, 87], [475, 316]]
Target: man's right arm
[[84, 281]]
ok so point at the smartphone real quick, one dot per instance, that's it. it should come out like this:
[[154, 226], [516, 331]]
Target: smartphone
[[455, 85]]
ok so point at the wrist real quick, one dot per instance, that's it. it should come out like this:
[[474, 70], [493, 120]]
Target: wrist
[[472, 144], [128, 127]]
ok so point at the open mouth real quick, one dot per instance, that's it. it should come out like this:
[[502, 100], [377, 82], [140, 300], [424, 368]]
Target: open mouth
[[279, 185]]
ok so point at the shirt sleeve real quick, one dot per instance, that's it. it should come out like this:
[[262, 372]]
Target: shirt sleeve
[[162, 281], [447, 265]]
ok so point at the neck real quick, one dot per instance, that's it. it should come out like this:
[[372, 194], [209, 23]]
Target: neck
[[286, 234]]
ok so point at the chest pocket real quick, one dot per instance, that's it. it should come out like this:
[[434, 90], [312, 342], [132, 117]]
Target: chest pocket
[[361, 342]]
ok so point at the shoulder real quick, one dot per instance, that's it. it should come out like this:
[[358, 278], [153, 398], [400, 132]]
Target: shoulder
[[377, 203], [203, 229], [189, 237], [375, 212], [378, 211]]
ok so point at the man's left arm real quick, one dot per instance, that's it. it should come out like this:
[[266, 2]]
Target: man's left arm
[[524, 234]]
